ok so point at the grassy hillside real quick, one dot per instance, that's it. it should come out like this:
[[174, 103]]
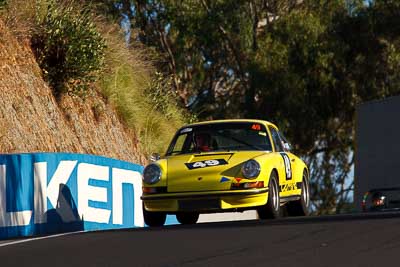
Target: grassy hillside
[[84, 59], [142, 95]]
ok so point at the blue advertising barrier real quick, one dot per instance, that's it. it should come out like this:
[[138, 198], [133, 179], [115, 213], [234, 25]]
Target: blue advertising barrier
[[44, 193]]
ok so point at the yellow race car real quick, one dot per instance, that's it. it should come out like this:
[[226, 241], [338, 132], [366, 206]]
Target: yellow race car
[[225, 165]]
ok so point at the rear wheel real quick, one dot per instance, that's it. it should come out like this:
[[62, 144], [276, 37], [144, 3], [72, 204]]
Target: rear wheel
[[271, 210], [301, 207], [154, 219], [187, 217]]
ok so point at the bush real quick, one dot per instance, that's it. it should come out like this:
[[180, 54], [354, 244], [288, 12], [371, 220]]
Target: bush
[[2, 3], [142, 96], [69, 48]]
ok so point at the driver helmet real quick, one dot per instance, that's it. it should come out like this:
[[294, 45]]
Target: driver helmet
[[203, 141]]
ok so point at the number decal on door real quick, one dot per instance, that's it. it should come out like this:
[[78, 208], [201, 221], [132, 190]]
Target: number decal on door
[[288, 166]]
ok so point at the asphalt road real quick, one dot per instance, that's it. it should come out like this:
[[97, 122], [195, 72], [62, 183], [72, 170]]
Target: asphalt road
[[350, 240]]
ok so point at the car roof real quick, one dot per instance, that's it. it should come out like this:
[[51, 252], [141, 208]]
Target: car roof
[[232, 120]]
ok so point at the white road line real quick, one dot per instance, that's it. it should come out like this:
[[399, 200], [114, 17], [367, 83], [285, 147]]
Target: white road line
[[37, 238]]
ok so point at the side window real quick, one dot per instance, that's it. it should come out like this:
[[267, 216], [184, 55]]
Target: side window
[[276, 139], [286, 145], [179, 144]]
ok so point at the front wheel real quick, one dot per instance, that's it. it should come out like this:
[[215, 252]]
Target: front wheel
[[301, 207], [154, 219], [187, 217], [271, 210]]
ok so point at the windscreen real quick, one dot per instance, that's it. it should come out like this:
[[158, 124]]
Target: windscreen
[[220, 137]]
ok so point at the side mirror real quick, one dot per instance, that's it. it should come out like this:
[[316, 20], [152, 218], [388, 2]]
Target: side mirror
[[154, 157], [287, 146]]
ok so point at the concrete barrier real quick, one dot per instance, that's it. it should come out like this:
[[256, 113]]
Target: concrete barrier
[[44, 193]]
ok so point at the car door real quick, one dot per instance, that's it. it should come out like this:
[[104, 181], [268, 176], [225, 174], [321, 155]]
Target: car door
[[287, 183]]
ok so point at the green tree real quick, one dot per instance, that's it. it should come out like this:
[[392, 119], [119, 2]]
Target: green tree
[[304, 65]]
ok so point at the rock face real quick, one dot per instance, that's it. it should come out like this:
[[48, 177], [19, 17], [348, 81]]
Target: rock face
[[31, 120]]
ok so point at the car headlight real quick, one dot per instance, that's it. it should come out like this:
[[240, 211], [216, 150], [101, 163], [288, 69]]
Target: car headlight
[[251, 169], [152, 174]]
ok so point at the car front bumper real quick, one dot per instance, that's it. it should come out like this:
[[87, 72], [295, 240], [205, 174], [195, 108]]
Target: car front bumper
[[204, 202]]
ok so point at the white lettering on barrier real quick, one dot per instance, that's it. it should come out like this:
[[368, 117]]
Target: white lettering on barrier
[[15, 218], [40, 191], [86, 193], [126, 177], [51, 191]]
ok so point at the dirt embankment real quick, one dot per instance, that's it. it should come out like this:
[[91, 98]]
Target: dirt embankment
[[31, 120]]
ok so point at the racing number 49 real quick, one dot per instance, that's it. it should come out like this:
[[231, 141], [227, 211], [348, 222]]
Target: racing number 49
[[202, 164], [288, 166], [206, 163]]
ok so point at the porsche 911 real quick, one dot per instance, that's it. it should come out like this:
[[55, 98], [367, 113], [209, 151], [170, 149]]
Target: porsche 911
[[225, 165]]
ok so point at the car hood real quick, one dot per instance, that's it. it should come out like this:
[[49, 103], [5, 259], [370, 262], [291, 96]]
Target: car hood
[[206, 171]]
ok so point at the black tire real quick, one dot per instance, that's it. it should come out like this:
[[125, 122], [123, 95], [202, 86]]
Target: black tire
[[187, 217], [301, 207], [154, 219], [271, 210]]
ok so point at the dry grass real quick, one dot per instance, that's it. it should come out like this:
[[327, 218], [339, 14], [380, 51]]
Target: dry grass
[[128, 78], [21, 16]]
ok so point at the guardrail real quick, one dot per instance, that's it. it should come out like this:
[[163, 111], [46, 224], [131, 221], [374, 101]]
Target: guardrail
[[44, 193]]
